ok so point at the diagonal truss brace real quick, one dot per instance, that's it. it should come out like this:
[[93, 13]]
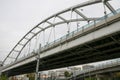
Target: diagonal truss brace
[[49, 23], [110, 7], [62, 18], [79, 13]]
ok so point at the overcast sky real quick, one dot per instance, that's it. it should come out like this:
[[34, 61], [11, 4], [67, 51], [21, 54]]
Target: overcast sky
[[17, 17]]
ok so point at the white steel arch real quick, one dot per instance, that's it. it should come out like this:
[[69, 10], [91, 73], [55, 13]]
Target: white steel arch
[[63, 21]]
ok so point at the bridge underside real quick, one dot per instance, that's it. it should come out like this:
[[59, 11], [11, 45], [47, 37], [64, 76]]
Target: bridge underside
[[107, 47]]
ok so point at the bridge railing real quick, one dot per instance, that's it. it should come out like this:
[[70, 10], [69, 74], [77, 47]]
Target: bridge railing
[[71, 34]]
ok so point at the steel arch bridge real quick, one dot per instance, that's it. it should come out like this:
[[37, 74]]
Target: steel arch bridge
[[58, 19]]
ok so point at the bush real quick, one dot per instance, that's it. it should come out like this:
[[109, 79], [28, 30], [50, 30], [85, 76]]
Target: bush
[[67, 74]]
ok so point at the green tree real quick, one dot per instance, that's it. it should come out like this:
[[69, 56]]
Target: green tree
[[3, 77], [67, 74], [31, 76]]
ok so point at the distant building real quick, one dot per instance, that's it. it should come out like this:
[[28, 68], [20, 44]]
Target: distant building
[[75, 70], [43, 75], [18, 77], [52, 75], [57, 74], [60, 74]]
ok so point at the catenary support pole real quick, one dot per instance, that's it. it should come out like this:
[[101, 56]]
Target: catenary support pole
[[38, 61]]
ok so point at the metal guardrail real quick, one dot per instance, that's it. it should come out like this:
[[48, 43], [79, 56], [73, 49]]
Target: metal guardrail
[[81, 28]]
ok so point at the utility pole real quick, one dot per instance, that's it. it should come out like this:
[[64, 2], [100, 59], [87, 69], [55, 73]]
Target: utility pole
[[38, 61]]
